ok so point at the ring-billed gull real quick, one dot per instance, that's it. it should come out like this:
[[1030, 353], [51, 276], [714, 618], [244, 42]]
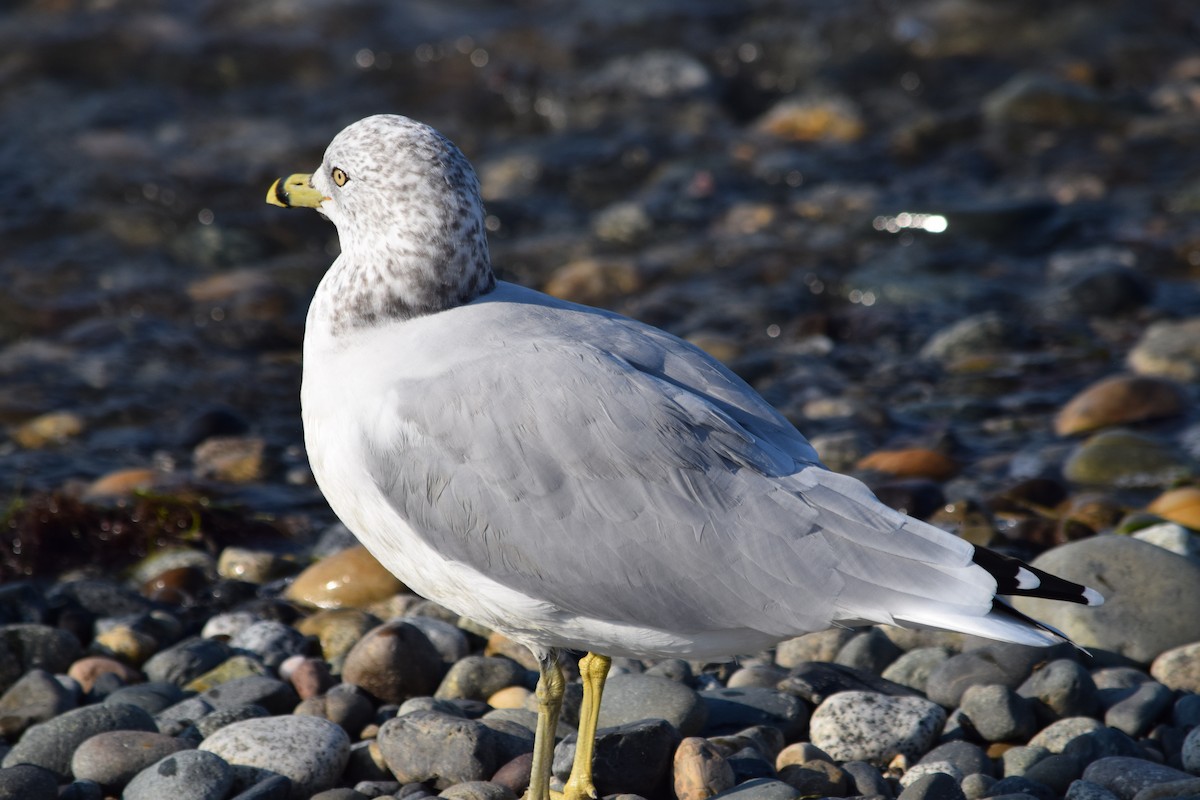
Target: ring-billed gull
[[576, 479]]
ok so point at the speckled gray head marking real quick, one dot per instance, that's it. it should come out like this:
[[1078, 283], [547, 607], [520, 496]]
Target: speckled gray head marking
[[406, 204]]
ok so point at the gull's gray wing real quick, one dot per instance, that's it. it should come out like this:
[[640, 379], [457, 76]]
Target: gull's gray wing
[[614, 471]]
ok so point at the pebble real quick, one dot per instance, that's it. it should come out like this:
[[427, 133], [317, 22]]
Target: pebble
[[1177, 668], [1086, 790], [864, 726], [700, 771], [1001, 664], [1180, 505], [635, 758], [478, 790], [86, 670], [36, 697], [126, 644], [816, 778], [430, 746], [1020, 785], [1136, 714], [478, 677], [731, 710], [1125, 777], [231, 669], [153, 696], [997, 713], [1172, 538], [185, 661], [912, 669], [351, 578], [28, 782], [977, 786], [1138, 580], [629, 698], [393, 662], [1190, 752], [1120, 458], [1170, 349], [450, 640], [40, 646], [218, 718], [272, 694], [1056, 771], [112, 759], [966, 757], [815, 682], [1020, 758], [871, 651], [338, 630], [760, 789], [309, 752], [918, 771], [51, 744], [819, 646], [236, 459], [270, 641], [1120, 400], [45, 430], [344, 705], [252, 566], [913, 462], [308, 676], [1061, 688], [935, 786]]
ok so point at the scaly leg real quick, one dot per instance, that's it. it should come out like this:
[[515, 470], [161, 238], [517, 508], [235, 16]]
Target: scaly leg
[[550, 688], [593, 669]]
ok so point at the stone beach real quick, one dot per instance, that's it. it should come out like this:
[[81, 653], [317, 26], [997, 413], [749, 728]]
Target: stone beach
[[957, 242]]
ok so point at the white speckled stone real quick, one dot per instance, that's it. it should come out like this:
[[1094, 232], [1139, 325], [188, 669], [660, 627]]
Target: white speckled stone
[[311, 751], [873, 727]]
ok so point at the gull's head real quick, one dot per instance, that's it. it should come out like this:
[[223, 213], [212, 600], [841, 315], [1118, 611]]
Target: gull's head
[[406, 204]]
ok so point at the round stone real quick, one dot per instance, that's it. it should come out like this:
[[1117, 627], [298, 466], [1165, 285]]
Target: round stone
[[478, 677], [52, 744], [700, 770], [394, 662], [1139, 580], [1120, 400], [629, 698], [872, 727], [349, 578], [1056, 736], [112, 759], [309, 751], [1123, 459], [270, 641], [187, 775]]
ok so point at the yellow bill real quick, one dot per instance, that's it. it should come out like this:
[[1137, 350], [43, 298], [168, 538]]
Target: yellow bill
[[295, 191]]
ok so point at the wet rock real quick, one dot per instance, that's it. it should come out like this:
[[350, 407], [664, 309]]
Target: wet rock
[[112, 759], [1169, 349], [629, 698], [51, 744], [1139, 580], [308, 751], [635, 758], [1120, 400], [252, 566], [732, 710], [393, 662], [351, 578], [445, 750], [865, 726], [700, 771], [1121, 458]]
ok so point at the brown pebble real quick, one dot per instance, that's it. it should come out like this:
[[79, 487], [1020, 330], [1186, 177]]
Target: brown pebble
[[311, 677], [350, 578], [86, 670], [394, 662], [500, 645], [126, 644], [235, 459], [800, 753], [700, 770], [1180, 505], [515, 774], [816, 779], [1120, 400], [594, 281], [48, 429], [121, 483], [912, 462]]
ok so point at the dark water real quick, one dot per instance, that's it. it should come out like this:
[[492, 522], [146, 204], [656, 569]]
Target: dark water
[[639, 155]]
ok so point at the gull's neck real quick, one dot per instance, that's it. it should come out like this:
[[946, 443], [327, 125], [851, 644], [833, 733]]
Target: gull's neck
[[406, 272]]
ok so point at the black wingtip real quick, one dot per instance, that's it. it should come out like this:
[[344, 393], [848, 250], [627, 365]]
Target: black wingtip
[[1015, 577]]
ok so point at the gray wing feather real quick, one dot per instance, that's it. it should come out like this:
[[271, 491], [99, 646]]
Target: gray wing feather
[[588, 454]]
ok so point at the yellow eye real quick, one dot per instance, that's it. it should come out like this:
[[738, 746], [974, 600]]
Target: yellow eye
[[340, 177]]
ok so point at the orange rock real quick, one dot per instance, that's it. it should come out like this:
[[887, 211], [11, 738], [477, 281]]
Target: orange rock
[[1180, 505], [351, 578], [48, 429], [509, 697], [1119, 400], [912, 462], [500, 645], [121, 483], [87, 669]]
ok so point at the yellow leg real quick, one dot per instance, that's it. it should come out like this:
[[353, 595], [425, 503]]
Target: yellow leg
[[550, 688], [593, 669]]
